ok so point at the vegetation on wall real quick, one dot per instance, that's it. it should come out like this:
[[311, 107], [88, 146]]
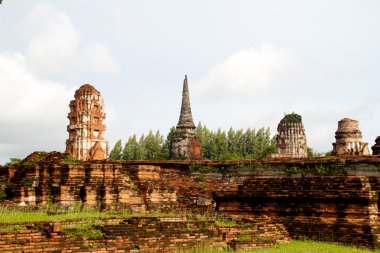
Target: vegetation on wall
[[36, 159], [216, 145], [13, 161], [292, 118]]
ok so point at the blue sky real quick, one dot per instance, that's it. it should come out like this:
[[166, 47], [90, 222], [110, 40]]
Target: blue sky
[[248, 63]]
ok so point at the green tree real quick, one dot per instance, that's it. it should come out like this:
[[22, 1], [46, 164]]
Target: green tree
[[153, 144], [221, 145], [310, 152], [217, 145], [205, 138], [166, 146], [265, 144], [116, 151], [131, 149], [239, 142], [141, 152], [160, 143], [232, 145]]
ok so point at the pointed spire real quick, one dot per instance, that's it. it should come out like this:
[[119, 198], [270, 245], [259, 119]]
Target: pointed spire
[[186, 118]]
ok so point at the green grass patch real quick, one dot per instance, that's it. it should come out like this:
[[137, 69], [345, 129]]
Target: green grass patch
[[70, 160], [243, 238], [12, 228], [222, 223], [83, 231], [25, 216], [77, 211], [293, 247]]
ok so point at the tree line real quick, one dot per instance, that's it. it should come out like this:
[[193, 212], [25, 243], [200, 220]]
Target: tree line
[[216, 145]]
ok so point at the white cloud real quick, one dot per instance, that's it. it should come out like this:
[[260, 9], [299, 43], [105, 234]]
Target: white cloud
[[56, 47], [34, 108], [26, 96], [248, 74]]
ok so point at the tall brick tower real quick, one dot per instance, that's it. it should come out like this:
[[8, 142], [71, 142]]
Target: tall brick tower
[[185, 142], [86, 129], [291, 138]]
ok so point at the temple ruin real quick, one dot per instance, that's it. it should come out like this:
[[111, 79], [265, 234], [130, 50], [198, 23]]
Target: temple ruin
[[291, 138], [86, 128], [185, 143], [376, 148], [349, 139]]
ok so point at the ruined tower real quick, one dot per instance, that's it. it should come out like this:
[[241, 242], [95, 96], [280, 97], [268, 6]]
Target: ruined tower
[[349, 139], [376, 148], [86, 128], [185, 142], [291, 138]]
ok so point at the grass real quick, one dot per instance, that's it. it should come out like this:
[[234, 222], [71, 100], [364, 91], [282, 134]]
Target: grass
[[83, 231], [77, 211], [24, 216], [222, 223], [310, 247], [293, 247]]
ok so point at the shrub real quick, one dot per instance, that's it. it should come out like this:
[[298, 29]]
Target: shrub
[[292, 118]]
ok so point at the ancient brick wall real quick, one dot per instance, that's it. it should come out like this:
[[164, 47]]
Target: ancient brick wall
[[325, 199], [139, 234]]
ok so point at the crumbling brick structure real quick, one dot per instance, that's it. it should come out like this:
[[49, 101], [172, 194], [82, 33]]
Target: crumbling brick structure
[[376, 147], [327, 199], [349, 139], [86, 128], [291, 138], [185, 142]]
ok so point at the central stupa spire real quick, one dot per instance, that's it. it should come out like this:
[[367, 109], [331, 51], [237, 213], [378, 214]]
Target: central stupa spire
[[185, 118], [185, 143]]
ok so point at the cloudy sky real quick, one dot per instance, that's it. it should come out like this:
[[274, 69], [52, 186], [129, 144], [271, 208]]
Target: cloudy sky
[[248, 63]]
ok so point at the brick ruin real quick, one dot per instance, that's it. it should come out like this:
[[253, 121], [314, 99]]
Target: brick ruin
[[86, 128], [329, 199], [141, 234], [376, 148], [291, 138], [185, 142], [349, 139], [269, 201]]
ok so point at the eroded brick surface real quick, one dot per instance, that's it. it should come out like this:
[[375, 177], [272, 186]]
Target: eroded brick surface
[[349, 139], [86, 128], [331, 199]]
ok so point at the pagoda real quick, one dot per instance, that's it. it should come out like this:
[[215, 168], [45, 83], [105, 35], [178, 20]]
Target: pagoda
[[349, 139], [86, 128], [185, 143], [291, 138]]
